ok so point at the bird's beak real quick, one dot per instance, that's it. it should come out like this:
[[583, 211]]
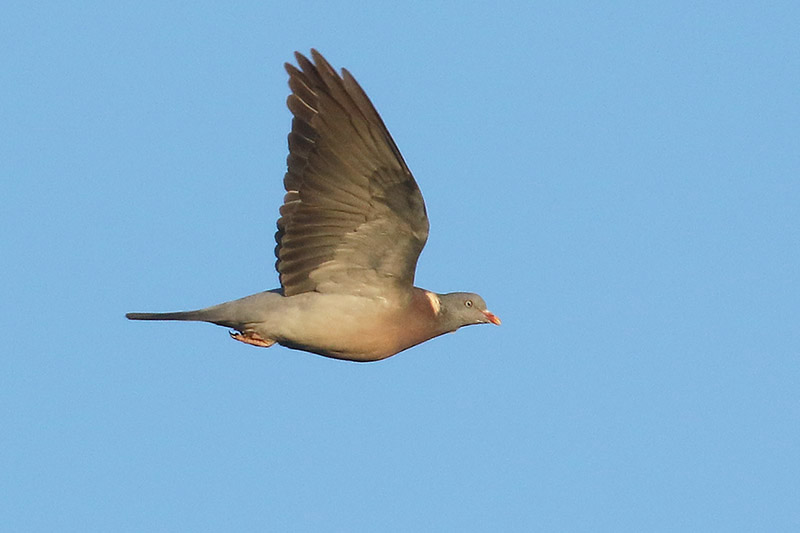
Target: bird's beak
[[492, 318]]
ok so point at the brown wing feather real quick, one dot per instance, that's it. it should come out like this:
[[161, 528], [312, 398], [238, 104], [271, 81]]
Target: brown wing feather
[[353, 219]]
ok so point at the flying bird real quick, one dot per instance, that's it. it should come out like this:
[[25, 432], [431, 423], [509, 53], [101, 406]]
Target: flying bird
[[351, 228]]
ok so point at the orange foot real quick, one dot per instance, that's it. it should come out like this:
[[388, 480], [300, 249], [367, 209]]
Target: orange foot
[[250, 337]]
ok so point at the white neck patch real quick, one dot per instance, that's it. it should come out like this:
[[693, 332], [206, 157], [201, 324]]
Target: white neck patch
[[436, 304]]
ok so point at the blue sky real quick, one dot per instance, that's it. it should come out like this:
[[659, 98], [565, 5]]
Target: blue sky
[[619, 180]]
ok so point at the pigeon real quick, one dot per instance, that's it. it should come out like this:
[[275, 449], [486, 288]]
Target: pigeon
[[351, 228]]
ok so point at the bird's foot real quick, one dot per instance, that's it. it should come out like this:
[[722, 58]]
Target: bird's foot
[[249, 337]]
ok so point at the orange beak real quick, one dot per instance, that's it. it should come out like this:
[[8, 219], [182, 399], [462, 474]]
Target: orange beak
[[492, 318]]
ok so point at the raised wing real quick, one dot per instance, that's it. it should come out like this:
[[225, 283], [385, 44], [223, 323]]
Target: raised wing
[[353, 218]]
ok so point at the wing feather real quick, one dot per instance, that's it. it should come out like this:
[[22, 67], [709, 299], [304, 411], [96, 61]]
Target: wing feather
[[353, 219]]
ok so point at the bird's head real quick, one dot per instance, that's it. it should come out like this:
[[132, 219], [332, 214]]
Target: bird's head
[[464, 309]]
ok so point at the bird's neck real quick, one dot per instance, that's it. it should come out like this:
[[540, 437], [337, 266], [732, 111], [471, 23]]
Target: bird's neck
[[429, 311]]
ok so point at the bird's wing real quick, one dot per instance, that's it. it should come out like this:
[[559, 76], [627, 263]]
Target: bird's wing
[[353, 218]]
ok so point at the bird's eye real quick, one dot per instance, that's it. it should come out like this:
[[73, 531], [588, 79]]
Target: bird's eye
[[468, 303]]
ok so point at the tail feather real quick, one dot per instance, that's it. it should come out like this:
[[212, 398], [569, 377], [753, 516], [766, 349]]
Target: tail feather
[[181, 315], [215, 315], [235, 314]]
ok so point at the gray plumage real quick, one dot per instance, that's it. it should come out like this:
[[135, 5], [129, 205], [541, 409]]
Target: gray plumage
[[351, 229]]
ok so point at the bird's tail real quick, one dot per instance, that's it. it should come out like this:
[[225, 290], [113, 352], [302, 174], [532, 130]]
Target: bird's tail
[[235, 314], [215, 315], [180, 315]]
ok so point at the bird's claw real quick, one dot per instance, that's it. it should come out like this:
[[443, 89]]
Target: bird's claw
[[249, 337]]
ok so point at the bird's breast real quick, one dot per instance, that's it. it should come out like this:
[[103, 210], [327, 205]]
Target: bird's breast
[[356, 328]]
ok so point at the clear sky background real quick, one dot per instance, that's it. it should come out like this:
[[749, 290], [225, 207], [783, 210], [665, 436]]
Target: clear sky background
[[619, 180]]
